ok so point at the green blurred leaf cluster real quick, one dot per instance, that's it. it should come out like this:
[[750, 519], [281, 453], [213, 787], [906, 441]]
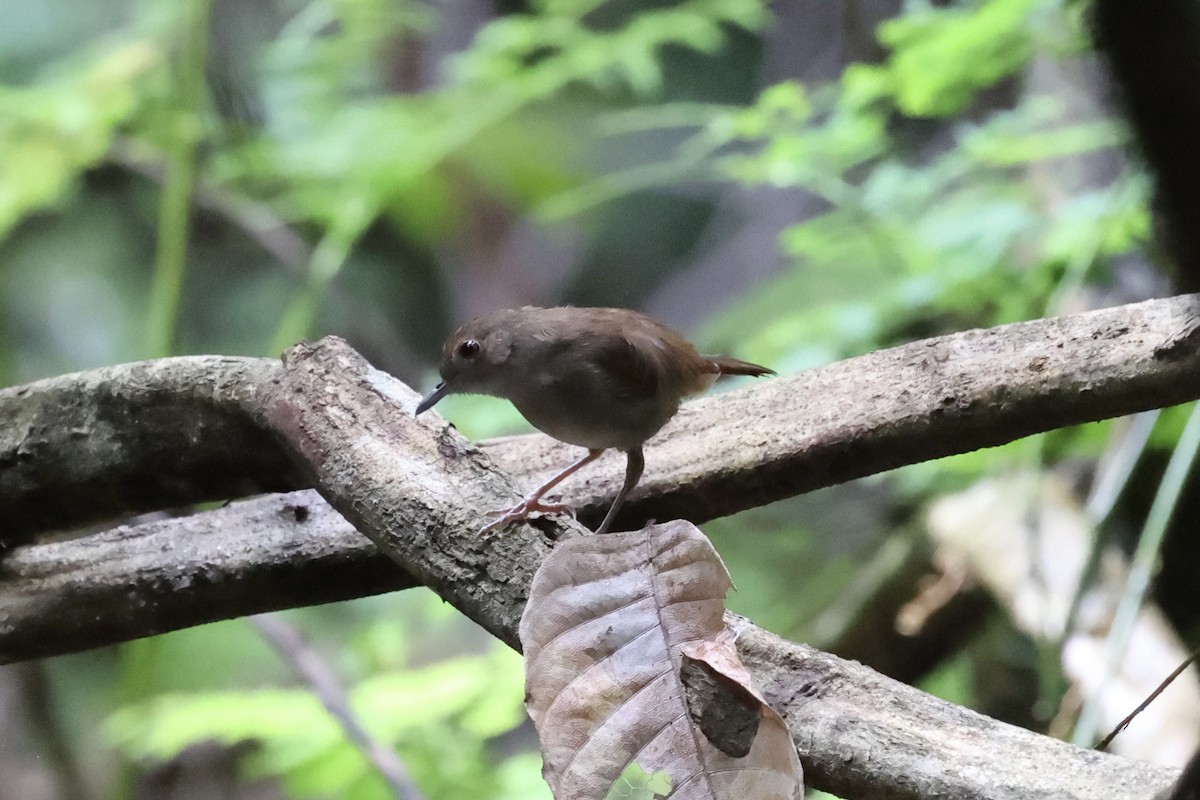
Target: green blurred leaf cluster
[[309, 131], [985, 41], [963, 233], [342, 164], [441, 717], [53, 131]]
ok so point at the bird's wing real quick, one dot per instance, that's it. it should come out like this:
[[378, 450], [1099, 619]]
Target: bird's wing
[[633, 368]]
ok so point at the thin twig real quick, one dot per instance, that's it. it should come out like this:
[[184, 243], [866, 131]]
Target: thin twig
[[1123, 724], [1141, 571], [328, 688]]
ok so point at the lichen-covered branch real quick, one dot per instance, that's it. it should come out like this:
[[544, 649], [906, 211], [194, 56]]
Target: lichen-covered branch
[[91, 446], [153, 435], [419, 491], [721, 454], [859, 730], [861, 734], [266, 554]]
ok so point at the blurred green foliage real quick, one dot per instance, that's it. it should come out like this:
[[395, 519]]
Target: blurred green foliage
[[958, 237], [985, 41], [52, 132], [332, 180], [440, 718]]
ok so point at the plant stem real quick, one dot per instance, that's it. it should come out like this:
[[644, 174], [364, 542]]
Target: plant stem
[[175, 209], [1140, 572]]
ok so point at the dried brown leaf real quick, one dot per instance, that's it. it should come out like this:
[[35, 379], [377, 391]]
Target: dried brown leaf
[[625, 648]]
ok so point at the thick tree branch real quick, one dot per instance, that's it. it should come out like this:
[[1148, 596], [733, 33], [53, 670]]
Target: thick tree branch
[[267, 554], [418, 489], [415, 487], [339, 417], [155, 435], [773, 439], [137, 437], [920, 401], [861, 734]]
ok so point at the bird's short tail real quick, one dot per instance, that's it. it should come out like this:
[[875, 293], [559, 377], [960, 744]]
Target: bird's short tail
[[727, 365]]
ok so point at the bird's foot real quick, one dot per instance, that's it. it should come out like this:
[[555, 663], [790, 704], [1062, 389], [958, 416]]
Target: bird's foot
[[523, 510]]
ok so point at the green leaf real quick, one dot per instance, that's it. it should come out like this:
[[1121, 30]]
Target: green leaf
[[441, 714], [636, 784], [943, 56], [52, 132]]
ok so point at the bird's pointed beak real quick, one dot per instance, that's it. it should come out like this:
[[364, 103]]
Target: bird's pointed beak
[[430, 400]]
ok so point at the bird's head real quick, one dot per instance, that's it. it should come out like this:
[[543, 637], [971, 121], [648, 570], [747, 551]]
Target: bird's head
[[475, 359]]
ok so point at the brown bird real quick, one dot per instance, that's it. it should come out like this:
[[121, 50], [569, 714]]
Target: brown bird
[[593, 377]]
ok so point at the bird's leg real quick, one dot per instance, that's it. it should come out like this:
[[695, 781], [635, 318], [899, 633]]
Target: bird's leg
[[532, 502], [633, 473]]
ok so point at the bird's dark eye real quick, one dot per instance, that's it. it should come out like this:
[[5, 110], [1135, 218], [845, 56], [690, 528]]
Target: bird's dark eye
[[469, 348]]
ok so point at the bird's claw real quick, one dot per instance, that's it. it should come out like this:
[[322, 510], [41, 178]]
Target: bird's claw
[[524, 510]]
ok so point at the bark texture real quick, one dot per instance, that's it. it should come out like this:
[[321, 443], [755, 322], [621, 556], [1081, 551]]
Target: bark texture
[[180, 431], [861, 734], [419, 491], [90, 446], [721, 454]]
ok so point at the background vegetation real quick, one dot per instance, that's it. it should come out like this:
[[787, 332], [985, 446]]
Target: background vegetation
[[796, 183]]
